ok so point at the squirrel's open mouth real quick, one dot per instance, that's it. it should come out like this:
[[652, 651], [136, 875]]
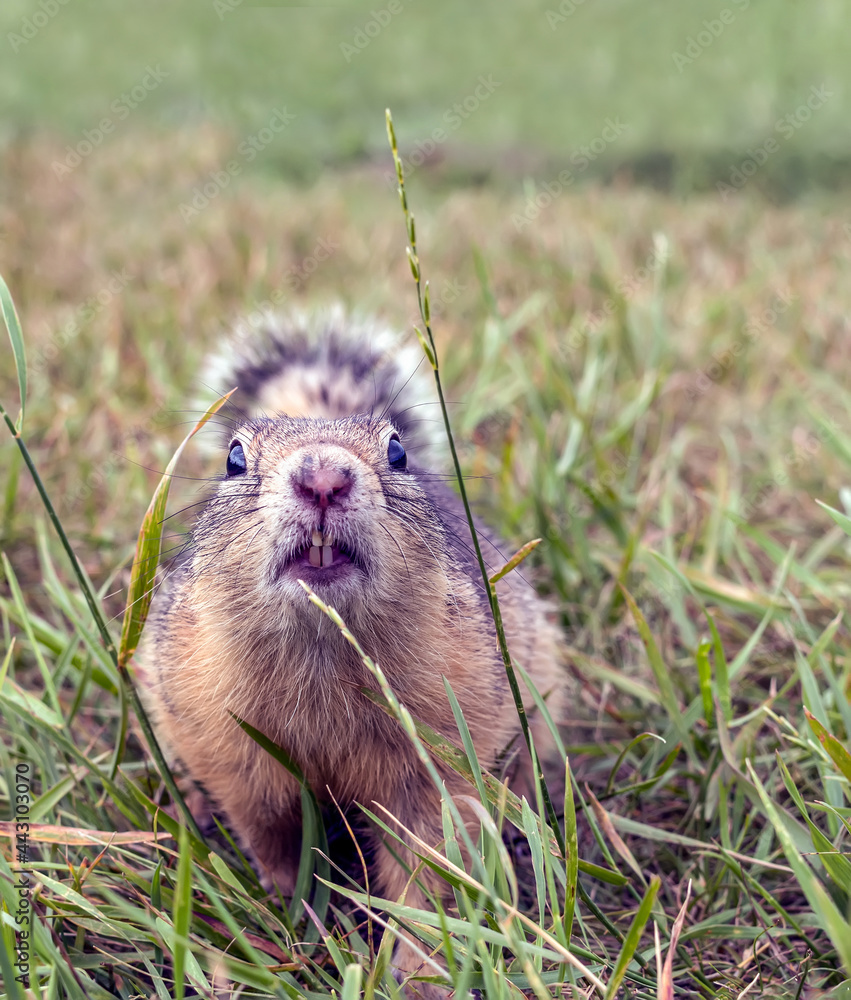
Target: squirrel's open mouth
[[324, 551], [323, 558]]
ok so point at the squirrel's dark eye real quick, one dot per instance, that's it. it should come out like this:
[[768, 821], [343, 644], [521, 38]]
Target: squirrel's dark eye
[[237, 465], [396, 453]]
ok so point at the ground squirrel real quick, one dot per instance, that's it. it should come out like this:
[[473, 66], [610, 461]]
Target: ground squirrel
[[326, 481]]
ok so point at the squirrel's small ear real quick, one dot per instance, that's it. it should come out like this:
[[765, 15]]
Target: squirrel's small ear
[[236, 466], [396, 455]]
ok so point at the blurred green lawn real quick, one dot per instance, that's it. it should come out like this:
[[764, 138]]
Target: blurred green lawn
[[563, 67]]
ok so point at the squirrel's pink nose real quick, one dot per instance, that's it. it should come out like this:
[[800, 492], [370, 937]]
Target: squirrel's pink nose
[[323, 485]]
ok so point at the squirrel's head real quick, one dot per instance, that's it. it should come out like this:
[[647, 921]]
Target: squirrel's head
[[331, 502]]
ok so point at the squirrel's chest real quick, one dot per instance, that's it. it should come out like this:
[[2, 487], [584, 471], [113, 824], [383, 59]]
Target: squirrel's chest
[[304, 689], [339, 738], [313, 704]]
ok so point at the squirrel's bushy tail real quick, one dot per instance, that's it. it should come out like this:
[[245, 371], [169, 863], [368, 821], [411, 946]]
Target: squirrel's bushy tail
[[328, 364]]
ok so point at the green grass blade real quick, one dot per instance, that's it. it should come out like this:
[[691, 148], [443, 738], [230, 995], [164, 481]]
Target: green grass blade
[[610, 783], [836, 864], [46, 676], [515, 560], [722, 670], [704, 674], [836, 751], [8, 956], [45, 803], [843, 520], [571, 837], [313, 862], [143, 571], [662, 675], [836, 926], [13, 326], [352, 982], [467, 742], [7, 659], [722, 675], [182, 913], [272, 748], [633, 937]]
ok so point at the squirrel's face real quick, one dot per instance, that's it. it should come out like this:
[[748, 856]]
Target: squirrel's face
[[330, 502]]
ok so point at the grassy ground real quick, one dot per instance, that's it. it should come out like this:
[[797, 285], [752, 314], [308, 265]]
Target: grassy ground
[[697, 93], [655, 388]]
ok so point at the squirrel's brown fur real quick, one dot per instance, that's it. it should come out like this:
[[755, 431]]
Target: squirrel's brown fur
[[232, 631]]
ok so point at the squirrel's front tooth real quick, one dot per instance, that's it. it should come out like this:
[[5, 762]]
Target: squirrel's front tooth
[[314, 555], [316, 537], [327, 555], [327, 540]]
